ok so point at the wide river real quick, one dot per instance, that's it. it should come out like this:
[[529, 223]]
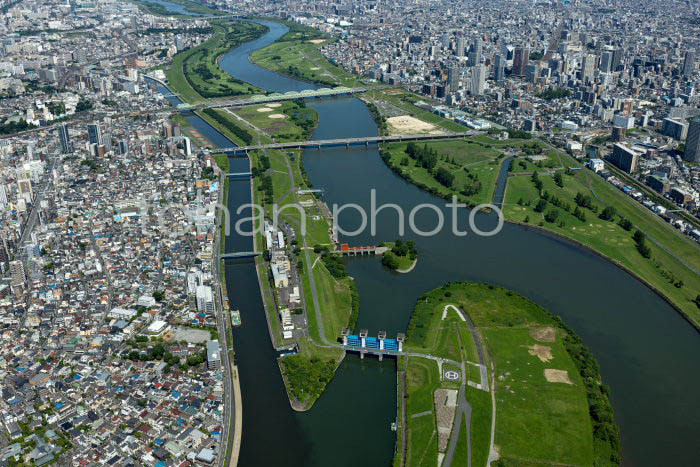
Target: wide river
[[649, 355]]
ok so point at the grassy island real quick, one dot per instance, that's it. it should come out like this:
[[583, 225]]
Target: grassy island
[[547, 384], [401, 256]]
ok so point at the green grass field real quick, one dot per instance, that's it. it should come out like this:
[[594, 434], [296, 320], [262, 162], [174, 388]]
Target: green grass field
[[284, 121], [662, 271], [465, 159], [422, 379], [195, 74], [297, 54]]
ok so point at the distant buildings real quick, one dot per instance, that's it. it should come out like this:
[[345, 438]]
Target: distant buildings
[[624, 157]]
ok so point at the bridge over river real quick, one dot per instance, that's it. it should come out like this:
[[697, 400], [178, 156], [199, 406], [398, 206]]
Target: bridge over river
[[347, 142]]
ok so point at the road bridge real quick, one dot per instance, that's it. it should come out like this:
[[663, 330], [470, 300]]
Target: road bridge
[[347, 142], [274, 97], [240, 255]]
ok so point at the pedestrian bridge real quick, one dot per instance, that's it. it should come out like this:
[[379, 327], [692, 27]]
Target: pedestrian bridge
[[347, 142]]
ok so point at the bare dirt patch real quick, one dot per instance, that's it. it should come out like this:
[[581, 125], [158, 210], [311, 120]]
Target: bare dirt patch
[[274, 105], [548, 334], [317, 41], [557, 376], [264, 109], [405, 124], [275, 116], [543, 352], [445, 406]]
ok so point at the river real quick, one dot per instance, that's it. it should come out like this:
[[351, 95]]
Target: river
[[648, 353]]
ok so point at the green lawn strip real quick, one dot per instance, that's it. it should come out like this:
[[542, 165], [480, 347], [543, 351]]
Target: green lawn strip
[[652, 224], [334, 299], [422, 379], [461, 455], [480, 426], [662, 271], [474, 169], [195, 74]]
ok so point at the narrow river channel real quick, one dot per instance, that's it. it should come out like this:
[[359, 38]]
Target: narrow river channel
[[649, 355]]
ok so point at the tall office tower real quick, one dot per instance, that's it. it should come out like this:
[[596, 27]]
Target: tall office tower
[[499, 68], [475, 54], [520, 59], [588, 68], [64, 137], [453, 79], [94, 133], [3, 196], [460, 47], [478, 80], [689, 63], [606, 61], [616, 59], [692, 142]]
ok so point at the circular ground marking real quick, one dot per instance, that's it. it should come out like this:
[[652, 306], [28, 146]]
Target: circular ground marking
[[451, 375]]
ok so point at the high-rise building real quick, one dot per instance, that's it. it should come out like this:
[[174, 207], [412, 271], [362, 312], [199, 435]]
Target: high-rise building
[[532, 72], [692, 142], [616, 59], [460, 47], [453, 79], [675, 129], [499, 68], [689, 63], [588, 68], [94, 133], [475, 54], [606, 61], [478, 80], [64, 137], [520, 59], [213, 355], [624, 157], [123, 146]]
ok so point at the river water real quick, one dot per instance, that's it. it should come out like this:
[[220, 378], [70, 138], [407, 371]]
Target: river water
[[648, 354]]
